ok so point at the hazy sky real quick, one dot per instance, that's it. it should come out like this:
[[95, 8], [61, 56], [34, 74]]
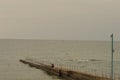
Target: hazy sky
[[60, 19]]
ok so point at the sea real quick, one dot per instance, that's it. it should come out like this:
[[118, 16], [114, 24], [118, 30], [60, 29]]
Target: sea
[[93, 57]]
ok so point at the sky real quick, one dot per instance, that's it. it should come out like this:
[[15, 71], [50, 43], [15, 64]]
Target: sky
[[60, 19]]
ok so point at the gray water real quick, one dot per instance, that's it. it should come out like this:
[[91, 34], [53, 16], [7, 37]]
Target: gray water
[[77, 55]]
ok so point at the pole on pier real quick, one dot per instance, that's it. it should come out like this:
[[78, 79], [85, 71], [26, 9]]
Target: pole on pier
[[112, 57]]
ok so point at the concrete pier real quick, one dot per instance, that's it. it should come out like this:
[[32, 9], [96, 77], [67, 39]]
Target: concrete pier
[[66, 74]]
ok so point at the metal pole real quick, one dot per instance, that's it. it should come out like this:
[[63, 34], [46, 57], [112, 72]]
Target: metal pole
[[112, 61]]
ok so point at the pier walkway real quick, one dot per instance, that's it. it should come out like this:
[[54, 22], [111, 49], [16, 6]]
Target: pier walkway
[[62, 72]]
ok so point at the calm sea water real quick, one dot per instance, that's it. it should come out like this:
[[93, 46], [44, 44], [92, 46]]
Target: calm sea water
[[76, 55]]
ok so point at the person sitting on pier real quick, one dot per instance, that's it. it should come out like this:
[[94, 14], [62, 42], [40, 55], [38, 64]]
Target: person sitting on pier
[[52, 66]]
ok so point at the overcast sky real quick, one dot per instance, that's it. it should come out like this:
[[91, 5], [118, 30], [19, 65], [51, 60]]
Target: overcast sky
[[60, 19]]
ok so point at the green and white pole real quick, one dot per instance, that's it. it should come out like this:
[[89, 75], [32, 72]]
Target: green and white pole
[[112, 58]]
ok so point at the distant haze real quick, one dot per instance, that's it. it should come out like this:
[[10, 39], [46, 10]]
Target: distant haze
[[60, 19]]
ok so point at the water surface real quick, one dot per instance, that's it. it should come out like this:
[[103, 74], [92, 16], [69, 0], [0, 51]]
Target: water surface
[[76, 55]]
